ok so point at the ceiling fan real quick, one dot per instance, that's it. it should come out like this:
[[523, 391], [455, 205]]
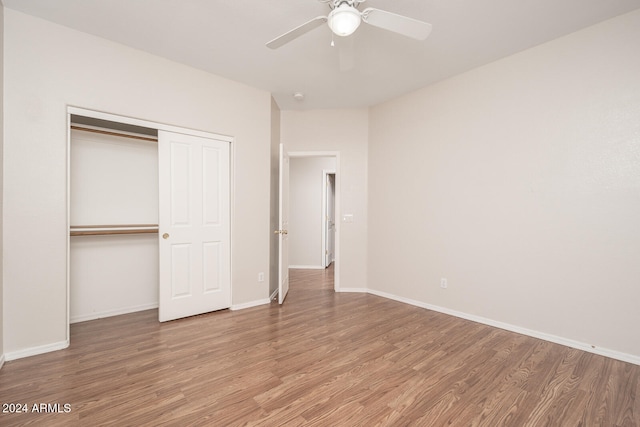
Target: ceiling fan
[[345, 18]]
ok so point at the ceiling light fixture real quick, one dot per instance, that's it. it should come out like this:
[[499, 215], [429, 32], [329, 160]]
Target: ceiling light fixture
[[344, 19]]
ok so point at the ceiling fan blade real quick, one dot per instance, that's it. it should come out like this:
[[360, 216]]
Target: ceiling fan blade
[[397, 23], [297, 32]]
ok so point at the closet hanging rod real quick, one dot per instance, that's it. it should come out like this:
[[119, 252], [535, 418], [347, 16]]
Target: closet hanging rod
[[112, 232], [104, 230], [112, 133], [115, 226]]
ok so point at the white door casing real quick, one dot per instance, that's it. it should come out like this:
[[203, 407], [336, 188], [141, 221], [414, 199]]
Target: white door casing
[[283, 223], [194, 225]]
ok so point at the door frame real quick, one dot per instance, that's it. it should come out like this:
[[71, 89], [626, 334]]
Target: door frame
[[337, 206], [72, 110], [283, 222]]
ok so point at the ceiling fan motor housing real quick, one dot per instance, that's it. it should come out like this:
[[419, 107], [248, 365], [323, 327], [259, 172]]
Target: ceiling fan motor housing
[[344, 19]]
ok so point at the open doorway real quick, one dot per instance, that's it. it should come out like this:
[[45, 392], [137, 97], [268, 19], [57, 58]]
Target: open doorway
[[329, 216], [314, 205]]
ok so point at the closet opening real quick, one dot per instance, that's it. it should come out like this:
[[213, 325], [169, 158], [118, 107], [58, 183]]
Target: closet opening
[[113, 224], [149, 218]]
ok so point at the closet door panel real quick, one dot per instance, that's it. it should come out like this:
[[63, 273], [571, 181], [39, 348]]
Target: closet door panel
[[212, 267], [181, 184], [211, 183], [181, 280], [194, 210]]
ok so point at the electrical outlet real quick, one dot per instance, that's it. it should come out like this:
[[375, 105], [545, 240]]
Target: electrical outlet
[[260, 277], [443, 282]]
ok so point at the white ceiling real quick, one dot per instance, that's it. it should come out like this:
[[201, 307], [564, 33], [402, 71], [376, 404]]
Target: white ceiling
[[227, 38]]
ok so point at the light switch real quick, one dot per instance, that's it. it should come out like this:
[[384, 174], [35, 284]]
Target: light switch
[[347, 218]]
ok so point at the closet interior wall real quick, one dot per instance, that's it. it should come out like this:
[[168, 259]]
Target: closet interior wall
[[113, 172]]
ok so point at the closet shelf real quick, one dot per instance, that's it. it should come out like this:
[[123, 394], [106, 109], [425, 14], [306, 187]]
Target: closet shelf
[[104, 230]]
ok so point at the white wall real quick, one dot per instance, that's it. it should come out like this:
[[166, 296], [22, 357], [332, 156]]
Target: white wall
[[49, 67], [345, 131], [305, 210], [519, 182], [111, 275]]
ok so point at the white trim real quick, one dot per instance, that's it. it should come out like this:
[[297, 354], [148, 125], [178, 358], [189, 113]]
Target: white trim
[[145, 123], [273, 295], [308, 267], [1, 360], [68, 260], [110, 313], [34, 351], [232, 192], [629, 358], [353, 290], [250, 304]]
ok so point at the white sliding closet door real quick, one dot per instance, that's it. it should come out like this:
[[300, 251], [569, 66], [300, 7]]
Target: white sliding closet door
[[194, 229]]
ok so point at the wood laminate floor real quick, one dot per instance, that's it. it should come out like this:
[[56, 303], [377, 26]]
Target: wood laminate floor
[[323, 359]]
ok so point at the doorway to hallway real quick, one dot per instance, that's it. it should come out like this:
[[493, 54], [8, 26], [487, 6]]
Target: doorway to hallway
[[310, 244]]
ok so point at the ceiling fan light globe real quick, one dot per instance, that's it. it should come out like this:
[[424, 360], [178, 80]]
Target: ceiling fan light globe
[[344, 20]]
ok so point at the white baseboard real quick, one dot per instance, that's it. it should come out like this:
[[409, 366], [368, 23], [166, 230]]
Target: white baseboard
[[1, 360], [359, 290], [34, 351], [250, 304], [517, 329], [274, 294], [308, 267], [109, 313]]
